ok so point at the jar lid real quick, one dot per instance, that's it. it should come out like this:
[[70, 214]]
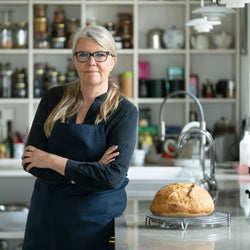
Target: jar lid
[[19, 85], [21, 24], [126, 36], [59, 25], [20, 75], [41, 19], [39, 72], [127, 74], [73, 19], [52, 73], [6, 24], [59, 39]]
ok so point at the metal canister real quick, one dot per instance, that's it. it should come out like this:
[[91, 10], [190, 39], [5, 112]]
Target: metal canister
[[40, 10], [40, 24]]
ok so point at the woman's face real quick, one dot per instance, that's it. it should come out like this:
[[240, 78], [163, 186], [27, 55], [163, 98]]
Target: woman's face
[[92, 72]]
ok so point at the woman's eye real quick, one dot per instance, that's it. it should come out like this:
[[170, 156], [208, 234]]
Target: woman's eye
[[100, 54], [83, 54]]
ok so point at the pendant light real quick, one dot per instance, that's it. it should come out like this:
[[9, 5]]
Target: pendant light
[[214, 12], [234, 3], [201, 25]]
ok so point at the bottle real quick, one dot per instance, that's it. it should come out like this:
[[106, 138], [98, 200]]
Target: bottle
[[9, 140], [244, 165], [2, 145]]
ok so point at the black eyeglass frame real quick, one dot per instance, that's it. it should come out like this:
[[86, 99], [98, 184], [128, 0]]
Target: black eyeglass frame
[[92, 54]]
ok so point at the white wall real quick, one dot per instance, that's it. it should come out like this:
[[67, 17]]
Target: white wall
[[245, 75]]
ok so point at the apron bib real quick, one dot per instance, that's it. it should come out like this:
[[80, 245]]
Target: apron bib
[[67, 216]]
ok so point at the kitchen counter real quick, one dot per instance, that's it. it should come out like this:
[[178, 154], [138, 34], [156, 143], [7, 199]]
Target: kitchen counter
[[131, 232]]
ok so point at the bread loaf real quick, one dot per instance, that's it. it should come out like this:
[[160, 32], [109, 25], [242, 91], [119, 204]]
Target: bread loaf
[[182, 200]]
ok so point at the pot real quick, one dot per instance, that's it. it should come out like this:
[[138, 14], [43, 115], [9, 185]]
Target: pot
[[222, 40], [199, 42]]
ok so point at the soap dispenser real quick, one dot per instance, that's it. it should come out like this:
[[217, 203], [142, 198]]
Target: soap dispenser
[[244, 166]]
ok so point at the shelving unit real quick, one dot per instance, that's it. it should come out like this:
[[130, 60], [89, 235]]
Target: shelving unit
[[210, 63]]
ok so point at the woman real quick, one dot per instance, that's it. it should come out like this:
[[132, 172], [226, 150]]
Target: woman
[[80, 146]]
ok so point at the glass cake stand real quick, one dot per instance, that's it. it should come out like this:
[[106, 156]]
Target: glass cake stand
[[184, 222]]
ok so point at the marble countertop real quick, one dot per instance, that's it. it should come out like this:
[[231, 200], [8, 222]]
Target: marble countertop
[[132, 233]]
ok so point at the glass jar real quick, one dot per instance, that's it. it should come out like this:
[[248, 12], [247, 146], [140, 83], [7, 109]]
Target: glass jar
[[40, 24], [118, 42], [127, 42], [58, 30], [72, 25], [58, 42], [59, 14], [51, 80], [6, 36], [111, 28], [19, 90], [40, 10], [5, 83], [41, 40], [21, 35], [39, 78]]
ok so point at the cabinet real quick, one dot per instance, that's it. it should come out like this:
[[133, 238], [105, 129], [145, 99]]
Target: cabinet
[[214, 64]]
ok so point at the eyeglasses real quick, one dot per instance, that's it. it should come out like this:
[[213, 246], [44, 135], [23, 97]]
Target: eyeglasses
[[99, 56]]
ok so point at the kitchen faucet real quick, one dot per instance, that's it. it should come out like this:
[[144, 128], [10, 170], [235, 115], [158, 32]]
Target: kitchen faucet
[[208, 180]]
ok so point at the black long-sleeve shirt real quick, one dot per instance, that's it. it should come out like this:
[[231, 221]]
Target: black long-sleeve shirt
[[120, 129]]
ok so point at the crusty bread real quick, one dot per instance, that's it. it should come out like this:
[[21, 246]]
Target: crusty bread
[[182, 200]]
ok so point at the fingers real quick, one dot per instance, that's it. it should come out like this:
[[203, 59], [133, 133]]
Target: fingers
[[109, 155]]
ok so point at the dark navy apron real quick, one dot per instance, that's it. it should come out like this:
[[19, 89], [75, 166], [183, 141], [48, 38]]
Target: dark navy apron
[[65, 216]]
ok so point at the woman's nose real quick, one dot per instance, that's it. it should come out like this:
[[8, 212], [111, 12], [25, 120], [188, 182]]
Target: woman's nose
[[92, 60]]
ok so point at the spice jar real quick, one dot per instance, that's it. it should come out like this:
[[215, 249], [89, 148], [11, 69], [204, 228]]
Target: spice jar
[[19, 90], [127, 28], [72, 25], [40, 24], [51, 80], [39, 83], [58, 30], [127, 42], [40, 11], [21, 35], [111, 28], [58, 42], [6, 36], [41, 40], [59, 14], [5, 83]]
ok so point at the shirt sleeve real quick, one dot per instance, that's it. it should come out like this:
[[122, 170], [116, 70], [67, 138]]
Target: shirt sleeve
[[121, 131], [38, 139]]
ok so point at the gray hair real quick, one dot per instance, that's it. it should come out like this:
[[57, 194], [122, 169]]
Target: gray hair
[[97, 33]]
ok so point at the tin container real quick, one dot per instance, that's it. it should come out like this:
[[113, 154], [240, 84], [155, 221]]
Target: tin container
[[40, 24]]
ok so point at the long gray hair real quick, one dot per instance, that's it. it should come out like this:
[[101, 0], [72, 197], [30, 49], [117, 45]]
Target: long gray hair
[[72, 98]]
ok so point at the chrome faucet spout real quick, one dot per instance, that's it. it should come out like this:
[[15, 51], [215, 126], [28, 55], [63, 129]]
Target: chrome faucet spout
[[210, 179], [205, 137], [179, 92]]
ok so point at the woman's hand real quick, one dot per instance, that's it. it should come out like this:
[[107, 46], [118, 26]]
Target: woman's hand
[[35, 157], [109, 155]]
